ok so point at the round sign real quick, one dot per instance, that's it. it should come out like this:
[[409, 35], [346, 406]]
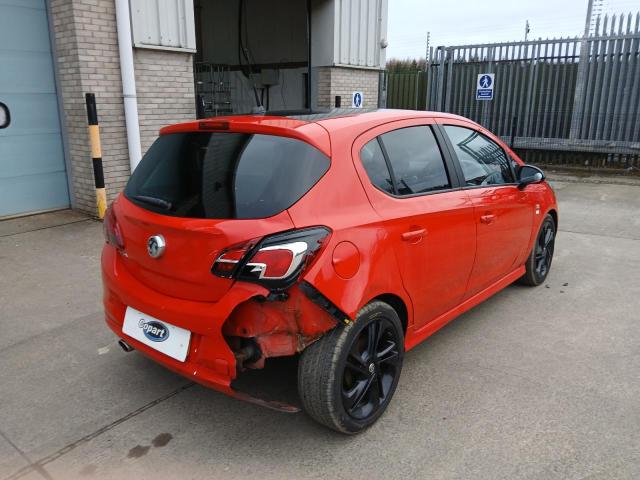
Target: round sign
[[357, 99], [485, 81]]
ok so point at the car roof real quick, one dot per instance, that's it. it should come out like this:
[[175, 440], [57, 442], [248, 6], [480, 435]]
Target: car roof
[[337, 119], [311, 127], [297, 118]]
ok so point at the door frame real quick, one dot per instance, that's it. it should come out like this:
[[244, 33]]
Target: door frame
[[60, 100], [464, 123], [450, 160], [441, 122], [375, 194]]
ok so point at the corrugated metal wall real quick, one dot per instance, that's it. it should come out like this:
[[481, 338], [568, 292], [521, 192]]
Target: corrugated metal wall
[[163, 24], [359, 27]]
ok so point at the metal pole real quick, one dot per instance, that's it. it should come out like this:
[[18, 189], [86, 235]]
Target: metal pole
[[428, 83], [96, 154], [579, 95], [587, 22], [426, 57], [309, 69], [485, 104], [440, 54], [125, 48], [417, 87]]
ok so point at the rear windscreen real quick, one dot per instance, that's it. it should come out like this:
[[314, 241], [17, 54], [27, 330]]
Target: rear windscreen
[[224, 175]]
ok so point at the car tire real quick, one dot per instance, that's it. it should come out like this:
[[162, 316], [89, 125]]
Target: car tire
[[341, 384], [539, 261]]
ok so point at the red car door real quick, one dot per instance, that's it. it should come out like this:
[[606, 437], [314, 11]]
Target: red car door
[[413, 188], [503, 213]]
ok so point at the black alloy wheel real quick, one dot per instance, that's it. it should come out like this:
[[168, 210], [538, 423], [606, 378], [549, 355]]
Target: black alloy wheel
[[544, 249], [539, 262], [347, 378], [370, 369]]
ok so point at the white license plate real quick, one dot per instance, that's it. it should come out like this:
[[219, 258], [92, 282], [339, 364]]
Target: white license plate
[[158, 334]]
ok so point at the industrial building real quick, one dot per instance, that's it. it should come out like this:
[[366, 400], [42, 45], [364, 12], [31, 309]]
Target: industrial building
[[152, 63]]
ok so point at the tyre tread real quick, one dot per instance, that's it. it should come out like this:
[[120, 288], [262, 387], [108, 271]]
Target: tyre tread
[[318, 367], [530, 278]]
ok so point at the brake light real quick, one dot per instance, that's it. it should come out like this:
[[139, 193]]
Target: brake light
[[112, 233], [276, 261], [225, 264], [214, 125]]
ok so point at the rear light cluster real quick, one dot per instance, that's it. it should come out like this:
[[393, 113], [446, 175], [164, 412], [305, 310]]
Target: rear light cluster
[[275, 261], [112, 233]]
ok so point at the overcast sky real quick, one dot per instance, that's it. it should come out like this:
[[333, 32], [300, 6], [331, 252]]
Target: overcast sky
[[458, 22]]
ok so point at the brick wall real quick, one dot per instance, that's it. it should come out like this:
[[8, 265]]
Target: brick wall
[[343, 81], [88, 61], [86, 46], [164, 82]]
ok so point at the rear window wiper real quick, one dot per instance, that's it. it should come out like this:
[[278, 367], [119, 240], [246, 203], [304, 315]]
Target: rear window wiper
[[156, 202]]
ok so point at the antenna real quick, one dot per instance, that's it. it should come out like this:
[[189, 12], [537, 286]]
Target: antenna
[[594, 10], [428, 42]]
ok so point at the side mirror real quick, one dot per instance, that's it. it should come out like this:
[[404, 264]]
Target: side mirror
[[528, 174], [5, 116]]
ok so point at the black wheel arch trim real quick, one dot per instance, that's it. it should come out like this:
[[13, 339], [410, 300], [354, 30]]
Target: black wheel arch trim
[[313, 294]]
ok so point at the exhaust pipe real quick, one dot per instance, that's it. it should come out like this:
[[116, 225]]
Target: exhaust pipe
[[125, 346]]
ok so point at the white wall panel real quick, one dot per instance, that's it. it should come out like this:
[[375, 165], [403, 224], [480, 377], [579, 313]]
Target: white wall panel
[[360, 25], [163, 24]]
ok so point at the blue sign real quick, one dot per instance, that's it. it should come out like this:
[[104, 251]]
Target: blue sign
[[357, 100], [484, 88], [485, 81]]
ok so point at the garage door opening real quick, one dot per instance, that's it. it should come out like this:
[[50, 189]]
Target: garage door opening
[[251, 53]]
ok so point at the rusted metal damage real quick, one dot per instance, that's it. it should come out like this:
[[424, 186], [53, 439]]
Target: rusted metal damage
[[262, 328]]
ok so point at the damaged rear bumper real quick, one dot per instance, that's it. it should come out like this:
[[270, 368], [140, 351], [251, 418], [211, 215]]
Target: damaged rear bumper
[[277, 326]]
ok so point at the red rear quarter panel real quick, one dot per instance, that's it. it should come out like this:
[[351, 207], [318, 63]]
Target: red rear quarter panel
[[339, 201]]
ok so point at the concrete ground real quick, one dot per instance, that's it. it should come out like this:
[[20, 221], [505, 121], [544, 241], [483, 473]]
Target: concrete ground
[[536, 383]]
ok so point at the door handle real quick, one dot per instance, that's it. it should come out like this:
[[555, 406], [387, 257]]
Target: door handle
[[488, 218], [413, 235]]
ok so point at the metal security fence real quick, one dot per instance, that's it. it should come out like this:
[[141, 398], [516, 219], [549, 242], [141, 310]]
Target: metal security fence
[[565, 100], [406, 90]]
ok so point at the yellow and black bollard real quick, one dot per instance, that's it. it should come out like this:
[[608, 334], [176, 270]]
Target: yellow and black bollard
[[96, 153]]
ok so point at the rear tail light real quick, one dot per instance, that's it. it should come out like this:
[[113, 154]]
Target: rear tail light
[[276, 261], [226, 264], [112, 233]]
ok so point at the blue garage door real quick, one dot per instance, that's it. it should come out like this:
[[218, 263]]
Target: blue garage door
[[32, 168]]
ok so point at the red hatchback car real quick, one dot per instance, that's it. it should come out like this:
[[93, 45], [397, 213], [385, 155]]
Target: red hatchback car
[[345, 237]]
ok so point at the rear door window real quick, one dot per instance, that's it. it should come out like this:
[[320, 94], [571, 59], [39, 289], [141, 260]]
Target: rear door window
[[225, 175], [416, 160], [483, 161], [374, 163]]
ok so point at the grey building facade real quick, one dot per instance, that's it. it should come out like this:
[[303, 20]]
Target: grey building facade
[[191, 58]]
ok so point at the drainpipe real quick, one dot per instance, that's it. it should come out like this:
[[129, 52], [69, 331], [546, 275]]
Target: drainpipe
[[123, 21]]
